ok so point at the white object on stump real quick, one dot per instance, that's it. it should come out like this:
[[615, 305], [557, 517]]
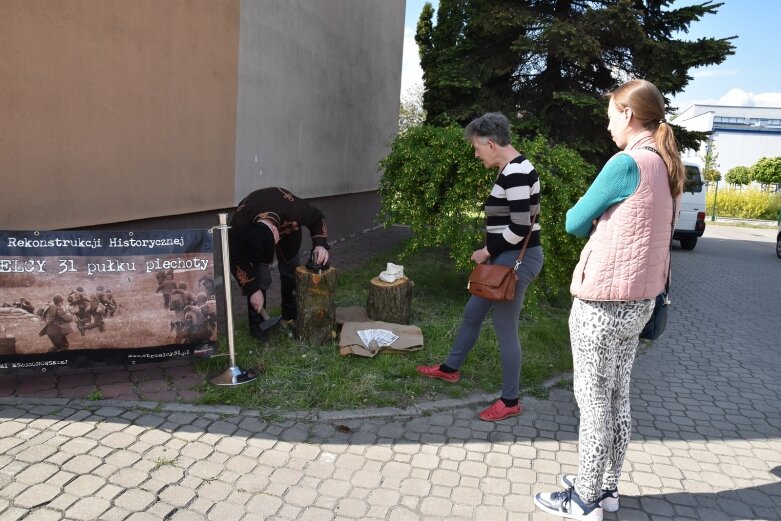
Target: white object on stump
[[390, 301], [392, 273], [316, 321]]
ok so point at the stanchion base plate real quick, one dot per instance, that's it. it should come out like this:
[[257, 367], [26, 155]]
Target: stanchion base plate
[[234, 376]]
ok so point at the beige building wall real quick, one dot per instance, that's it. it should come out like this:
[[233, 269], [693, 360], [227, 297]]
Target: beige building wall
[[165, 112], [114, 110], [319, 85]]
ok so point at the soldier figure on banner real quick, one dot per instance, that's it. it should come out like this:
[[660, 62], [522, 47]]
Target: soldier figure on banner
[[166, 286], [207, 283], [111, 303], [196, 329], [58, 324], [24, 304], [179, 299], [80, 304], [97, 310], [208, 308]]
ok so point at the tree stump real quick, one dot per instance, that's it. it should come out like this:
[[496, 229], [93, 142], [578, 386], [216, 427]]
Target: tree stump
[[390, 301], [316, 321]]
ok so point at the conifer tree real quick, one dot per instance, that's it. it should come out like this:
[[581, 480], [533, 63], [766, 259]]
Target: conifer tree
[[548, 63]]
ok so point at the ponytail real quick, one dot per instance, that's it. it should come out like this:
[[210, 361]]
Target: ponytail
[[668, 149]]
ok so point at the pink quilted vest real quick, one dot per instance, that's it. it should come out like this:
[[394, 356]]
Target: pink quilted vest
[[626, 257]]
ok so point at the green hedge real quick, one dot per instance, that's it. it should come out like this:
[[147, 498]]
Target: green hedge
[[748, 203], [433, 183]]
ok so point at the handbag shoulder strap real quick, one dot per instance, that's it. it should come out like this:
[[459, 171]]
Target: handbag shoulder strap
[[672, 231], [519, 260], [670, 254]]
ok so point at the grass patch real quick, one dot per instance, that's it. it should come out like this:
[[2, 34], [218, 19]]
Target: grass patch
[[95, 395], [143, 410], [299, 377], [564, 384], [162, 462]]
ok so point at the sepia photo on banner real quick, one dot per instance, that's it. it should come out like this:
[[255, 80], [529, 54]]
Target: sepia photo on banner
[[123, 297]]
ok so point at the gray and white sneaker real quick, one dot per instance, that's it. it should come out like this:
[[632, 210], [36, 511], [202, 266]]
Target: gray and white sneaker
[[608, 500], [568, 503]]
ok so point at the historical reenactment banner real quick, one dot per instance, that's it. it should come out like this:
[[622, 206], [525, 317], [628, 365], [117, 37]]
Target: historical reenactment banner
[[123, 296]]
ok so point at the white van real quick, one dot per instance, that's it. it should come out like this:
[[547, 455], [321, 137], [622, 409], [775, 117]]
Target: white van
[[691, 223]]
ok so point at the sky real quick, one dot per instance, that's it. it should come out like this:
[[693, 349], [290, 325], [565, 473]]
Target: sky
[[750, 77]]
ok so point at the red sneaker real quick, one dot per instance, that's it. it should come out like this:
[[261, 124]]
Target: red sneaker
[[499, 411], [433, 371]]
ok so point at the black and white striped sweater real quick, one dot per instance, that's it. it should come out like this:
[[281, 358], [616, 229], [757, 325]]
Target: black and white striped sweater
[[514, 198]]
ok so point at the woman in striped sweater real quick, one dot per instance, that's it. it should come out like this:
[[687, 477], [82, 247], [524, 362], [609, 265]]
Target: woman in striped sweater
[[509, 208]]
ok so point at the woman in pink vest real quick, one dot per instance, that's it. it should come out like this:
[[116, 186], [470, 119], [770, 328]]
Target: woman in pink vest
[[627, 213]]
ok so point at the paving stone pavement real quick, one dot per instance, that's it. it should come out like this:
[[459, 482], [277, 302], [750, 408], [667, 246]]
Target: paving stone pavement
[[706, 443]]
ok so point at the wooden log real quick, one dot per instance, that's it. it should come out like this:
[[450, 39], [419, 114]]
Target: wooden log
[[390, 301], [316, 321]]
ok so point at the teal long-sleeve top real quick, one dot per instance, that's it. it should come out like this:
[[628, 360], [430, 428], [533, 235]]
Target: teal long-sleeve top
[[618, 180]]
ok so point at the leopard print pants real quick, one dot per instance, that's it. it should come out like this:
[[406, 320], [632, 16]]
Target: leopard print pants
[[604, 338]]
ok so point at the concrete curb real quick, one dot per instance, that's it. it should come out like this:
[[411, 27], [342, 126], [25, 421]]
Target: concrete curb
[[420, 409], [728, 221]]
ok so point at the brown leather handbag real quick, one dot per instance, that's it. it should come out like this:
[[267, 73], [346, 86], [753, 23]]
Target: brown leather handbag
[[495, 281]]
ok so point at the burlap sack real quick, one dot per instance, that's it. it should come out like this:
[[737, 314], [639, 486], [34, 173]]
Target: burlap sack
[[410, 338]]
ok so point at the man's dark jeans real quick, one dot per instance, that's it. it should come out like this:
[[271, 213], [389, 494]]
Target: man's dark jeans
[[287, 277]]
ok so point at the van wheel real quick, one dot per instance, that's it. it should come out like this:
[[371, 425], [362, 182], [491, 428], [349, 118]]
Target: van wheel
[[778, 246], [688, 243]]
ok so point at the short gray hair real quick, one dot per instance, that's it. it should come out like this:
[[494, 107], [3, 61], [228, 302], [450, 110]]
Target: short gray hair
[[491, 125]]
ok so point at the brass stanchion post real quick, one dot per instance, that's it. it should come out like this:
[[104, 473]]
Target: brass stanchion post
[[233, 375]]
